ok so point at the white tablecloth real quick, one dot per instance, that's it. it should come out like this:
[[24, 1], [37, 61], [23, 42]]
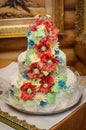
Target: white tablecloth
[[43, 122]]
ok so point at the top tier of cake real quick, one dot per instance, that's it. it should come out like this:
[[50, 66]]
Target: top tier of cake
[[42, 42]]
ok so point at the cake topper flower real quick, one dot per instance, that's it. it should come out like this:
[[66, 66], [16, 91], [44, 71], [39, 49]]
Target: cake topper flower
[[28, 91]]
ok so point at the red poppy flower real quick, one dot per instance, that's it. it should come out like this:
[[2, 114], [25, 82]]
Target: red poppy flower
[[39, 21], [34, 71], [33, 27], [43, 46], [49, 26], [49, 62], [46, 83], [53, 35], [28, 91]]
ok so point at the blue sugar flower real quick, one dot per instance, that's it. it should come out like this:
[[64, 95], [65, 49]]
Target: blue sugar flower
[[62, 84], [11, 92], [25, 75], [31, 43], [56, 52], [61, 60], [43, 104], [28, 33]]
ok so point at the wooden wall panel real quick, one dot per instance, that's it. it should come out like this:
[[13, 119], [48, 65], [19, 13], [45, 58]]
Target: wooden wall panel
[[67, 42], [12, 44], [10, 48], [70, 56], [80, 50], [68, 39], [10, 55], [81, 68], [69, 20], [70, 4]]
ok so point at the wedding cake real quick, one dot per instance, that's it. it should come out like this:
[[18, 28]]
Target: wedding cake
[[43, 82]]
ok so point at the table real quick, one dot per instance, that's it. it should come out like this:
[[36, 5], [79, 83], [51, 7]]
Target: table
[[73, 119]]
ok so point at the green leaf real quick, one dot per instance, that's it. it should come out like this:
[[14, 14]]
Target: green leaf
[[36, 83], [45, 72], [51, 98], [55, 88], [27, 57], [15, 100], [62, 77], [29, 103], [16, 89]]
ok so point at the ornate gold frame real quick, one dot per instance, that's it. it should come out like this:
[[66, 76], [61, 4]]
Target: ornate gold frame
[[19, 26], [15, 123], [58, 13]]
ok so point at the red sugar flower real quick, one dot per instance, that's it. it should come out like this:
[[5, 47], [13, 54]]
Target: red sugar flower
[[43, 46], [39, 21], [34, 71], [53, 35], [49, 25], [33, 27], [28, 91], [49, 62], [46, 84]]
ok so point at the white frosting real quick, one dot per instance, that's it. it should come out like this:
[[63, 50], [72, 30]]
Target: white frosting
[[62, 54], [21, 57]]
